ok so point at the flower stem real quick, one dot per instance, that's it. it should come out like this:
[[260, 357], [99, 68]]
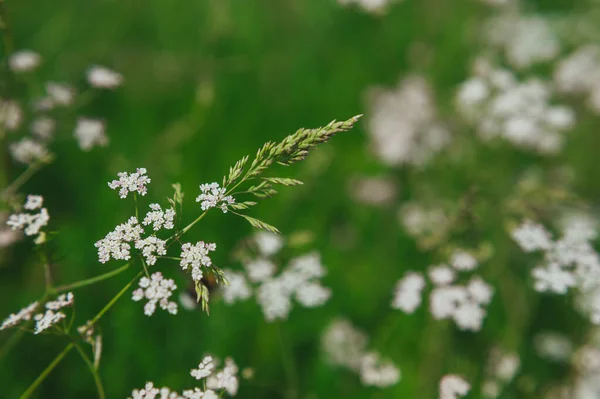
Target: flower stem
[[90, 281], [47, 371], [22, 179], [92, 369], [115, 299]]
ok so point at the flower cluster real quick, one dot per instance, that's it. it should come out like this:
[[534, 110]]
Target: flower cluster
[[116, 244], [24, 61], [346, 346], [157, 290], [224, 380], [213, 195], [159, 218], [524, 40], [274, 293], [403, 124], [372, 6], [579, 74], [453, 386], [462, 303], [103, 78], [195, 257], [29, 151], [570, 262], [518, 111], [425, 223], [131, 182], [30, 223], [51, 316], [501, 369], [90, 133]]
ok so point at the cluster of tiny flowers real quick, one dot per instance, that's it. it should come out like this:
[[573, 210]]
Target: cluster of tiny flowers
[[579, 74], [24, 314], [570, 262], [11, 115], [213, 195], [195, 257], [421, 221], [30, 223], [51, 316], [462, 303], [28, 151], [502, 368], [43, 128], [373, 190], [372, 6], [90, 133], [104, 78], [131, 182], [151, 247], [159, 218], [498, 105], [157, 290], [24, 61], [267, 243], [403, 125], [346, 346], [116, 244], [453, 386], [224, 380], [274, 293], [524, 40], [553, 346]]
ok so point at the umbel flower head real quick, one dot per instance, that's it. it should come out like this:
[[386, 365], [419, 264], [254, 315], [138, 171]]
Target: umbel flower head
[[30, 223], [157, 290], [131, 182], [213, 195]]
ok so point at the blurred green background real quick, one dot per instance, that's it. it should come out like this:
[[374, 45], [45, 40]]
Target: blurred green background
[[208, 81]]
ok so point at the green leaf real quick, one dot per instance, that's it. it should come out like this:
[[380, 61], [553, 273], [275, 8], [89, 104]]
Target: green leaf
[[260, 224]]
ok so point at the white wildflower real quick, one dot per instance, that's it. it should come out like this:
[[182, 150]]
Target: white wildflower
[[259, 269], [553, 278], [90, 133], [463, 261], [22, 315], [151, 247], [195, 257], [553, 346], [157, 290], [43, 127], [53, 315], [403, 124], [274, 299], [407, 296], [226, 379], [159, 218], [60, 93], [148, 392], [480, 291], [372, 6], [453, 386], [532, 236], [268, 243], [11, 115], [344, 344], [24, 61], [238, 288], [33, 202], [205, 368], [375, 372], [116, 244], [213, 195], [103, 78], [312, 294], [28, 151], [134, 182], [441, 275], [373, 190]]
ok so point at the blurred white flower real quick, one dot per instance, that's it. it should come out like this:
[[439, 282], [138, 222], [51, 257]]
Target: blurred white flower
[[28, 151], [24, 61], [43, 127], [268, 244], [104, 78], [60, 93], [453, 387], [407, 296], [90, 133], [11, 115]]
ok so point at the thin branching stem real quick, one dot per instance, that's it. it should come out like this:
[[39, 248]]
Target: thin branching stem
[[93, 370], [47, 371], [91, 281]]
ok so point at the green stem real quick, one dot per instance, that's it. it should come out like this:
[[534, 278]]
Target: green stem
[[288, 365], [22, 179], [115, 299], [12, 341], [90, 281], [47, 371], [92, 370]]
